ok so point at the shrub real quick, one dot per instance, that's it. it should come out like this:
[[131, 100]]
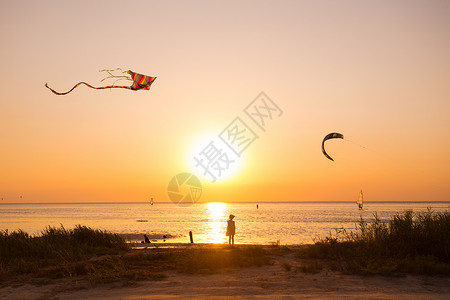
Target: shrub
[[400, 245], [21, 253]]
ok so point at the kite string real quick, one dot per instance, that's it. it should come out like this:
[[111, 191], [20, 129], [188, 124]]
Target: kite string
[[385, 156], [393, 161], [346, 139]]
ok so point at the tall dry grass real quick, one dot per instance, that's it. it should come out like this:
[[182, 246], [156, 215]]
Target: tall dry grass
[[409, 243], [21, 253], [101, 257]]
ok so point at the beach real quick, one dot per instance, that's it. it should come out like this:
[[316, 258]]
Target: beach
[[284, 277]]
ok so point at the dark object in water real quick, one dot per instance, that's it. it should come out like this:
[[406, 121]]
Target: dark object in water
[[146, 240]]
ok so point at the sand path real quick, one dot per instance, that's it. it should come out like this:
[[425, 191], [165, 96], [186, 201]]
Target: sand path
[[280, 280]]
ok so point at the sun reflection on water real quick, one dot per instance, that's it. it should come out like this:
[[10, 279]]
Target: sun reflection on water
[[216, 226]]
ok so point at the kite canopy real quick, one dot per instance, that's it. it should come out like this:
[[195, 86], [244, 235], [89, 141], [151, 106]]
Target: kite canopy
[[333, 135], [140, 82]]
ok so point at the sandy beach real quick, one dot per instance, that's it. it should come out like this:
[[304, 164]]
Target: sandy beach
[[281, 279]]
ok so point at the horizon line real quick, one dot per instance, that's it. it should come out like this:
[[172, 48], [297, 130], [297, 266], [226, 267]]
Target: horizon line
[[234, 202]]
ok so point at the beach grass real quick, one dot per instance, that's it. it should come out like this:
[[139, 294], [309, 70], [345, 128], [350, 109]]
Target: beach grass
[[102, 257], [56, 252], [409, 243], [58, 243]]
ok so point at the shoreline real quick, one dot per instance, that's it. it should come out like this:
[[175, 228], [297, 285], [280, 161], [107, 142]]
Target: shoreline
[[208, 245], [143, 246]]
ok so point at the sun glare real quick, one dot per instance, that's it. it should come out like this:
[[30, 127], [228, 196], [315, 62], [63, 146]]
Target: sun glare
[[216, 222], [211, 160]]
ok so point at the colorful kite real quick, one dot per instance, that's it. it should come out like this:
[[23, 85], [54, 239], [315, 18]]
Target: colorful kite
[[333, 135], [140, 82]]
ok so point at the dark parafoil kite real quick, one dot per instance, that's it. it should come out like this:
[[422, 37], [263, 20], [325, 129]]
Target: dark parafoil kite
[[139, 82], [333, 135]]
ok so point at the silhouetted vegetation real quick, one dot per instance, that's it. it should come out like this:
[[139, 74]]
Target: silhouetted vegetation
[[101, 257], [415, 243], [56, 252]]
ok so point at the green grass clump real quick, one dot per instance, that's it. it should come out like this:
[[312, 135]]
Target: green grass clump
[[55, 250], [100, 257], [409, 243]]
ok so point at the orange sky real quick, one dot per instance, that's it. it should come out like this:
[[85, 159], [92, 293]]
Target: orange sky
[[376, 72]]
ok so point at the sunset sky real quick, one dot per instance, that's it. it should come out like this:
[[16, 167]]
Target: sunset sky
[[376, 71]]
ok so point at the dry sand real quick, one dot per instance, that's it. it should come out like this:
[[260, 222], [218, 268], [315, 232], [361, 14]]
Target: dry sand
[[279, 280]]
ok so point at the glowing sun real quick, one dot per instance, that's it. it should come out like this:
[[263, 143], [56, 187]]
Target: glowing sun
[[211, 160]]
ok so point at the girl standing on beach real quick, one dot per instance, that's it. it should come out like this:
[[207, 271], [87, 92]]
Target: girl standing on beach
[[231, 229]]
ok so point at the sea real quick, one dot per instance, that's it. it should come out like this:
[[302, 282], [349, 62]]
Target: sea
[[286, 223]]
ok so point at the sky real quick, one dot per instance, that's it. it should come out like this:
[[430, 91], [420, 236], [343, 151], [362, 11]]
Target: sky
[[376, 71]]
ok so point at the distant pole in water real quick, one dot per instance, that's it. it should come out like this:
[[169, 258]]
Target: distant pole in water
[[190, 236], [256, 206]]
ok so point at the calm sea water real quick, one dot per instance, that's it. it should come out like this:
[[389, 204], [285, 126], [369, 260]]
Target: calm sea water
[[288, 223]]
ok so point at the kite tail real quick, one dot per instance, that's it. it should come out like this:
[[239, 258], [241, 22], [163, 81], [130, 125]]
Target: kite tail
[[88, 85], [120, 77], [77, 85]]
